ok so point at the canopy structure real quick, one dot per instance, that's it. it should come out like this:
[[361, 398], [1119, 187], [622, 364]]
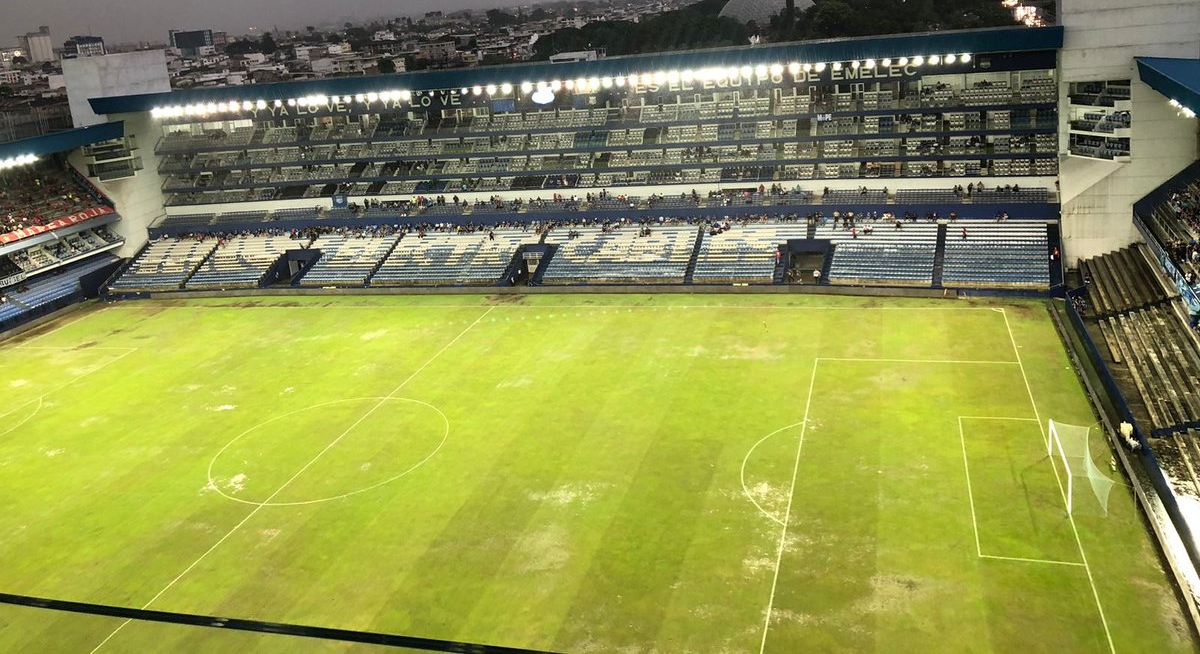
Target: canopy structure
[[61, 141], [1177, 79], [991, 40]]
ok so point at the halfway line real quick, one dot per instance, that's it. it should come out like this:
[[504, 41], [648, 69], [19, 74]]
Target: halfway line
[[293, 478]]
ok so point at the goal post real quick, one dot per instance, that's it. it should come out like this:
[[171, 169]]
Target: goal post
[[1071, 445]]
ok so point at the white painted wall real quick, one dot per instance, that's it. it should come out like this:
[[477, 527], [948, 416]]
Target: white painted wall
[[1102, 38], [126, 73], [138, 199]]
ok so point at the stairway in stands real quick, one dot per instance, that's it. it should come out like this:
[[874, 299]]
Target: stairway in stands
[[691, 266], [939, 255], [195, 269]]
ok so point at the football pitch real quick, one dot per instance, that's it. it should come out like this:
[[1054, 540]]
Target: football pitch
[[572, 473]]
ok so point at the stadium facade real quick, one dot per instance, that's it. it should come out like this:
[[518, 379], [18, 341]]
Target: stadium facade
[[812, 115]]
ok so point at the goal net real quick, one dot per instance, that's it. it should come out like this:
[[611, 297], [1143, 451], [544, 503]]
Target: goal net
[[1071, 445]]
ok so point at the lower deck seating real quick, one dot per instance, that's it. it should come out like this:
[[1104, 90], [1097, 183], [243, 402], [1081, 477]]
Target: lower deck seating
[[49, 287], [885, 255], [449, 259], [242, 261], [745, 254], [625, 255], [347, 260], [1010, 255], [164, 264]]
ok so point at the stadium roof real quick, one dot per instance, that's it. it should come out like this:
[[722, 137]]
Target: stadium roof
[[62, 141], [1177, 79], [993, 40]]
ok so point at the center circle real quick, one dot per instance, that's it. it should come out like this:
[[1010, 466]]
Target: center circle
[[328, 451]]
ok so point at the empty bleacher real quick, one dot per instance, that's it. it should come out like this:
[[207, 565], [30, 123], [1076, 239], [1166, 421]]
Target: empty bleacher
[[885, 256], [450, 259], [241, 261], [347, 260], [164, 264], [1002, 255], [745, 254], [621, 256], [1122, 281], [45, 289], [1141, 322]]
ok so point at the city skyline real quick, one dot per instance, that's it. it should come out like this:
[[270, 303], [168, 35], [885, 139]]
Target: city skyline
[[155, 17]]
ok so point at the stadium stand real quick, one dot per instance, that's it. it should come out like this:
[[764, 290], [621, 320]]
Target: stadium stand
[[25, 299], [1010, 255], [450, 258], [626, 255], [348, 259], [901, 256], [165, 264], [39, 194], [743, 254], [1141, 323], [242, 261]]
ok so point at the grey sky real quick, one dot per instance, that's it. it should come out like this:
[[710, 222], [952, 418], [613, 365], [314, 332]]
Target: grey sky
[[121, 21]]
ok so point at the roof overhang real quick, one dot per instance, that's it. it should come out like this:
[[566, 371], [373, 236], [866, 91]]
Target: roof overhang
[[62, 141], [1177, 79], [992, 40]]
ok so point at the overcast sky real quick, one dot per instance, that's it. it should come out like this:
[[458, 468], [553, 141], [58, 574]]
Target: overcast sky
[[120, 21]]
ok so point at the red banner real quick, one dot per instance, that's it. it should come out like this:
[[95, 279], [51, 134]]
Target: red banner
[[57, 224]]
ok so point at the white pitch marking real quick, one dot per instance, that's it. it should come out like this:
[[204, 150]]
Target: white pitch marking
[[946, 361], [995, 418], [1024, 560], [970, 494], [445, 436], [787, 516], [27, 418], [293, 478], [133, 304], [745, 490], [1070, 518], [66, 384]]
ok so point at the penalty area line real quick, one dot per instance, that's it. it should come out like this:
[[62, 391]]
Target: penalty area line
[[1021, 559], [1062, 491]]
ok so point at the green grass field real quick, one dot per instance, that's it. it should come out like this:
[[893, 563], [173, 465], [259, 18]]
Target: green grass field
[[573, 473]]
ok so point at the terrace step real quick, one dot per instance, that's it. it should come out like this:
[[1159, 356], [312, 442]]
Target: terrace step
[[939, 255], [691, 266]]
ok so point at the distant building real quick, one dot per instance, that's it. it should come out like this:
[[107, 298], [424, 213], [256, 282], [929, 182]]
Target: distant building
[[37, 45], [83, 46], [437, 51], [189, 42], [580, 55], [8, 54], [759, 11]]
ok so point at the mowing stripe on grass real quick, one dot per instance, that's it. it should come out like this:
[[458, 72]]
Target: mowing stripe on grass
[[296, 476]]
